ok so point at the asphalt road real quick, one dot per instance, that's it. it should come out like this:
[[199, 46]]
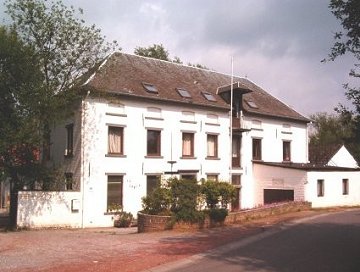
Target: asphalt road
[[327, 243]]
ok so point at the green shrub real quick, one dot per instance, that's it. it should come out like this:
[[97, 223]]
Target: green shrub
[[184, 194], [218, 215], [123, 219], [217, 193], [158, 202]]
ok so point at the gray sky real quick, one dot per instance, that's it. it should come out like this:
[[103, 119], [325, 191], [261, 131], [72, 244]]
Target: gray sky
[[278, 44]]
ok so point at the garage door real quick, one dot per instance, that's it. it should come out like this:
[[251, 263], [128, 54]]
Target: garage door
[[276, 195]]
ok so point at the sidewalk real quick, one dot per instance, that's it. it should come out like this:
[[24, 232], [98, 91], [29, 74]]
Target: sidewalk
[[117, 249]]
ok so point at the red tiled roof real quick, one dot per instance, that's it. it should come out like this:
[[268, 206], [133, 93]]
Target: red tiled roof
[[125, 74]]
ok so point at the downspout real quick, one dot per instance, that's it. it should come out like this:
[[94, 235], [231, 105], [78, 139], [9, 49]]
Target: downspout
[[83, 111]]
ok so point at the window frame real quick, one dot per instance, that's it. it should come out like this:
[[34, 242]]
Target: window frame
[[192, 143], [121, 153], [150, 179], [345, 186], [320, 187], [69, 152], [286, 151], [216, 146], [120, 182], [257, 149], [158, 143]]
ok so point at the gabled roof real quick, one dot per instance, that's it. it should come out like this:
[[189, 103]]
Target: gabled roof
[[125, 74]]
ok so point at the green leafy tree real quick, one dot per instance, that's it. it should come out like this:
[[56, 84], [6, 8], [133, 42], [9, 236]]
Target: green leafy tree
[[20, 87], [156, 51], [61, 48], [348, 41], [330, 129]]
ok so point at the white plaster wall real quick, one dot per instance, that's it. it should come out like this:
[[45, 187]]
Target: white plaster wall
[[269, 177], [134, 166], [333, 195], [343, 158], [273, 133], [48, 209]]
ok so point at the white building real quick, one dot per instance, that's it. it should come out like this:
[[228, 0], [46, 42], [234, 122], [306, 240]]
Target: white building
[[141, 119]]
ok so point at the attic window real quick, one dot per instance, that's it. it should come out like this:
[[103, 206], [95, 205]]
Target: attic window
[[251, 104], [150, 88], [183, 93], [209, 96]]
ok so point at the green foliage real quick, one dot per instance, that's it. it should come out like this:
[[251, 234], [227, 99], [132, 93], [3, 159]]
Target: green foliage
[[181, 198], [216, 193], [218, 215], [348, 41], [156, 51], [123, 219], [335, 129], [184, 193], [158, 202]]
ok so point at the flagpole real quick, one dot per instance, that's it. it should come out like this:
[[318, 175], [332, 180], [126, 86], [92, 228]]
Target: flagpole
[[231, 117]]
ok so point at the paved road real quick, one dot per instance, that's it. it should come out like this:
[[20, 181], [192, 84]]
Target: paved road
[[328, 243]]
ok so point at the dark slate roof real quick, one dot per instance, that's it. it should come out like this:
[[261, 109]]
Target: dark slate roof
[[321, 155], [308, 166], [124, 74]]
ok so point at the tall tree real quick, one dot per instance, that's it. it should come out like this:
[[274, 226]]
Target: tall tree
[[156, 51], [330, 129], [348, 41], [20, 89], [64, 48]]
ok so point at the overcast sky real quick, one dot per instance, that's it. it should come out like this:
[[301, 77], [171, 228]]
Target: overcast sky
[[278, 44]]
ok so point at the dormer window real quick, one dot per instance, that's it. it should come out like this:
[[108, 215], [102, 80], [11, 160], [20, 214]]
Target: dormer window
[[183, 92], [150, 88], [209, 96], [251, 104]]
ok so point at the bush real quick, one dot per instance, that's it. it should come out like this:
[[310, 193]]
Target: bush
[[123, 219], [217, 193], [218, 215], [184, 194], [158, 202]]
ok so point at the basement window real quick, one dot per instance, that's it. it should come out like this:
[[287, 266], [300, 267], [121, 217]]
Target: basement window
[[183, 93], [150, 88], [209, 96]]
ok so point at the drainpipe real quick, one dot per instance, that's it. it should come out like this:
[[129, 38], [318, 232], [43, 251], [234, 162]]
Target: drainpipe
[[82, 188]]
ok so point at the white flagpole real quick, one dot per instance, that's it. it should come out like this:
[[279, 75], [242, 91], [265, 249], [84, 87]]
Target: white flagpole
[[231, 117]]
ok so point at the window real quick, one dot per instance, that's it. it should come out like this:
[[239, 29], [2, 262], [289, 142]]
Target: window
[[116, 140], [345, 186], [154, 143], [236, 180], [236, 145], [150, 88], [320, 187], [188, 144], [114, 192], [188, 177], [212, 177], [256, 149], [69, 181], [69, 140], [286, 151], [212, 146], [183, 93], [152, 181], [251, 104], [209, 96]]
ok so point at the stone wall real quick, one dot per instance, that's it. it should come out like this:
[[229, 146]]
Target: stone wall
[[152, 223]]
